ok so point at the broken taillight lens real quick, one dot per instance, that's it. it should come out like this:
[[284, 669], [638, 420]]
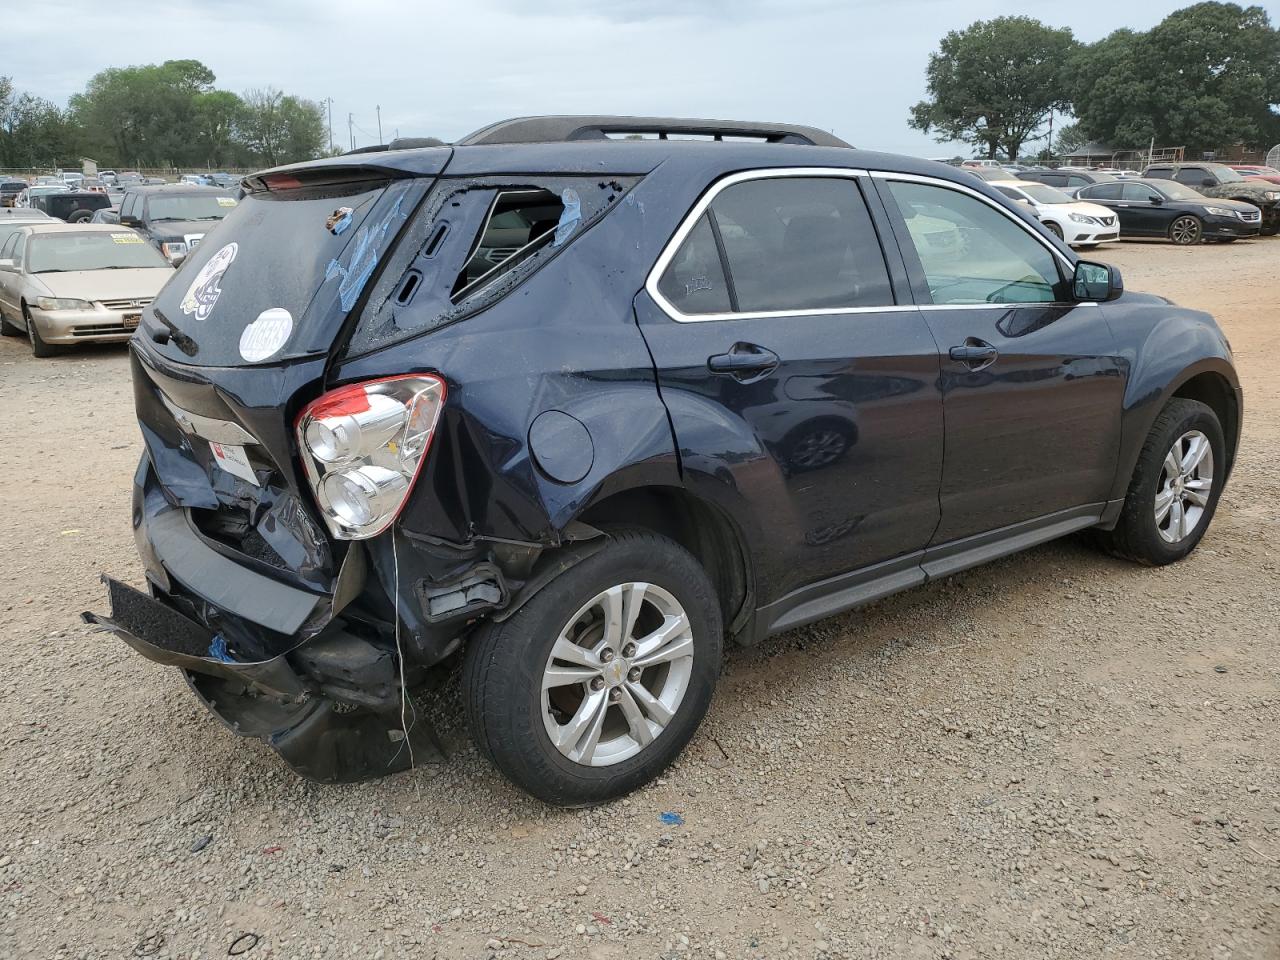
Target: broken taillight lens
[[362, 447]]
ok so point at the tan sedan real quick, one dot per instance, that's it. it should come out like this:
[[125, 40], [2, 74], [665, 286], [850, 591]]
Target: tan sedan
[[63, 283]]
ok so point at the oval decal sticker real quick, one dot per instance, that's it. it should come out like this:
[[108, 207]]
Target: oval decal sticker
[[266, 335], [202, 295]]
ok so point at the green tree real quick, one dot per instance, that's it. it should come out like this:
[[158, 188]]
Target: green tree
[[1070, 137], [276, 128], [33, 132], [1206, 76], [218, 114], [145, 115], [994, 83]]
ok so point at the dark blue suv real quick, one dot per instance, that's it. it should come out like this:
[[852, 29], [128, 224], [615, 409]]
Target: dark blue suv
[[560, 407]]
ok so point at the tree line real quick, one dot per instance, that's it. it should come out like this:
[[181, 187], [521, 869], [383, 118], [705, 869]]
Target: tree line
[[159, 115], [1205, 77]]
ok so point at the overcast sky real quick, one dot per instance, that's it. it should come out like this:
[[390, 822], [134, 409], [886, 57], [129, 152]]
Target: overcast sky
[[444, 69]]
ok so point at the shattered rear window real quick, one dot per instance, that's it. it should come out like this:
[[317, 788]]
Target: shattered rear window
[[472, 243], [276, 278]]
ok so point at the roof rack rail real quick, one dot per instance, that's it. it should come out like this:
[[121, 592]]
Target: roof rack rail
[[558, 129], [400, 143]]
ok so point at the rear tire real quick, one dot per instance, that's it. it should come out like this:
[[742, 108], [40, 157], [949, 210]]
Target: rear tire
[[1150, 532], [8, 329], [519, 685]]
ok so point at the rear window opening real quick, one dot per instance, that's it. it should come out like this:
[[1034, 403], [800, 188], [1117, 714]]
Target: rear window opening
[[473, 242], [520, 222]]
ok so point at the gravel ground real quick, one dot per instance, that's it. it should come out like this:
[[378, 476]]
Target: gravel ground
[[1058, 755]]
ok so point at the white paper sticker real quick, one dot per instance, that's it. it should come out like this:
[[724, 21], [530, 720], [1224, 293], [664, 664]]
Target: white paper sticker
[[266, 335], [202, 295], [233, 460]]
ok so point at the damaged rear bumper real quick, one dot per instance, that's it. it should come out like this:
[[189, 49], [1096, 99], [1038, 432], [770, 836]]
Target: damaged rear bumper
[[330, 707]]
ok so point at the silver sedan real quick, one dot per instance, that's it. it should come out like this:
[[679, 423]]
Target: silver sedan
[[63, 284]]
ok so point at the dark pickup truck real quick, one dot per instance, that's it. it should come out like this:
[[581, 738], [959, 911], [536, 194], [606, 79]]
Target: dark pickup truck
[[1220, 181]]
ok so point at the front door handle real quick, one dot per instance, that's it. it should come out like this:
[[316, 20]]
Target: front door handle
[[975, 354], [744, 362]]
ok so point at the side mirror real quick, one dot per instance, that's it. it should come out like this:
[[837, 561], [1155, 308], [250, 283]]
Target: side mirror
[[8, 264], [1157, 199], [1208, 182], [1096, 282], [130, 222]]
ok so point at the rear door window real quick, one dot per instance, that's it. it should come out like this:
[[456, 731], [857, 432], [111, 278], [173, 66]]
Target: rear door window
[[800, 243], [1191, 176], [1160, 173], [1101, 191], [694, 282]]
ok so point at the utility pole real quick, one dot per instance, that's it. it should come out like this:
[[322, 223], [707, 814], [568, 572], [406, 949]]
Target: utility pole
[[328, 102], [351, 133], [379, 109]]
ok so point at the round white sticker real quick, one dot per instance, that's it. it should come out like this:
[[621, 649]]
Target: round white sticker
[[202, 296], [266, 335]]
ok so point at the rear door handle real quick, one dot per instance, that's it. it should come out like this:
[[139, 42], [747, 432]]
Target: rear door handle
[[975, 354], [744, 362]]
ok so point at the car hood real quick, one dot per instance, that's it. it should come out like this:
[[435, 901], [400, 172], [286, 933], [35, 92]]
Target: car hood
[[141, 283], [1087, 208], [181, 229], [1238, 205], [1255, 190]]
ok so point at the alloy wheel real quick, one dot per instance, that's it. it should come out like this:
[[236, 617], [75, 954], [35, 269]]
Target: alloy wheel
[[617, 674], [1185, 231], [1186, 481]]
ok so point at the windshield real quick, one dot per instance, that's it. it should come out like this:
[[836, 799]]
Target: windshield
[[1043, 193], [190, 206], [1177, 191], [64, 252], [1226, 174]]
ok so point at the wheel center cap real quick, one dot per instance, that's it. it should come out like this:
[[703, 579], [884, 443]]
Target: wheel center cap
[[615, 671]]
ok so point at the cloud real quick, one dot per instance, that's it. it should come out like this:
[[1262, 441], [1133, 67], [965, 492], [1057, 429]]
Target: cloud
[[445, 69]]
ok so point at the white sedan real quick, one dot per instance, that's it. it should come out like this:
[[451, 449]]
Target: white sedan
[[1077, 222]]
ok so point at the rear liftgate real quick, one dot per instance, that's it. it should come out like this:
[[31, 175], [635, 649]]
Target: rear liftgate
[[245, 596]]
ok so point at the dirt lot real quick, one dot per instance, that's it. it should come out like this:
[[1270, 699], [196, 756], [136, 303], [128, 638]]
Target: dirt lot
[[1060, 755]]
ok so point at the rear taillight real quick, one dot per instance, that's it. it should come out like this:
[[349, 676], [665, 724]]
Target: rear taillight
[[362, 447]]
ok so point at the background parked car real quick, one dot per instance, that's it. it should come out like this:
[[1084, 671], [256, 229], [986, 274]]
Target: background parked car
[[1075, 221], [28, 197], [1256, 172], [1164, 208], [73, 206], [1068, 180], [175, 217], [11, 218], [106, 215], [988, 173], [76, 283], [1221, 182], [9, 190]]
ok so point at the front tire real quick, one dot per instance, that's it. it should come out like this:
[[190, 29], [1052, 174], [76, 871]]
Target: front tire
[[1175, 487], [39, 348], [1054, 229], [1186, 231], [596, 684]]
